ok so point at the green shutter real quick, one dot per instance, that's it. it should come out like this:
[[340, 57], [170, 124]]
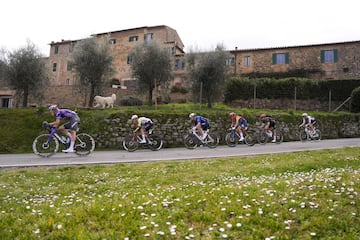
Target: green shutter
[[335, 55], [322, 55], [287, 58], [274, 58]]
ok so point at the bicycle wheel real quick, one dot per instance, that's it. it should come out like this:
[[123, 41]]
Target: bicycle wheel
[[130, 143], [43, 148], [250, 139], [84, 144], [262, 137], [212, 140], [317, 135], [303, 136], [155, 142], [190, 141], [279, 137], [231, 139]]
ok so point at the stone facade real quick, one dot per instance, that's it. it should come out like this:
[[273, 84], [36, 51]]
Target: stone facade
[[321, 61], [63, 78]]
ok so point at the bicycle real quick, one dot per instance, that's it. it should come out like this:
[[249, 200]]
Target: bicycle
[[46, 145], [132, 141], [233, 137], [264, 136], [306, 135], [193, 140]]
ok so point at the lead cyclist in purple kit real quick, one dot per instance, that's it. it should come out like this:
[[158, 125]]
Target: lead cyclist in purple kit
[[70, 128]]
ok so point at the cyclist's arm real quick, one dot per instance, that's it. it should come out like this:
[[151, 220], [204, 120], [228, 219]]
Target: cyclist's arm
[[55, 124], [138, 125]]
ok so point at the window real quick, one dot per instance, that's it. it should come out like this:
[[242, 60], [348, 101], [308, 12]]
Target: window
[[230, 61], [67, 82], [133, 38], [171, 50], [71, 47], [69, 66], [54, 67], [130, 59], [329, 56], [5, 103], [112, 41], [247, 61], [56, 50], [280, 58], [179, 64], [148, 37]]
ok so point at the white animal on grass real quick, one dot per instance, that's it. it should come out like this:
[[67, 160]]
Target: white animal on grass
[[104, 102]]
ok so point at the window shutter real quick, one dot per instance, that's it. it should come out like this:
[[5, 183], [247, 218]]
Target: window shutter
[[335, 55], [274, 58], [287, 58], [322, 56]]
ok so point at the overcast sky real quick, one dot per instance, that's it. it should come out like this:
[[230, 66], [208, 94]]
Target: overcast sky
[[201, 24]]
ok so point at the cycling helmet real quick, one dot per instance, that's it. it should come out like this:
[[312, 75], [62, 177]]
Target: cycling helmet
[[191, 115], [304, 114], [134, 117], [53, 108], [232, 114], [262, 115]]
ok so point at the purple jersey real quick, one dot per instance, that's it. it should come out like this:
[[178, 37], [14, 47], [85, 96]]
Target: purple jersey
[[65, 114]]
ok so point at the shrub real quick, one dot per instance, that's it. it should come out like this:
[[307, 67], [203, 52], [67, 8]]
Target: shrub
[[355, 100], [130, 101]]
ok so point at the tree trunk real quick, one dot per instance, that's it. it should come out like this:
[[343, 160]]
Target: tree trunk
[[25, 96], [150, 94], [209, 105], [92, 95]]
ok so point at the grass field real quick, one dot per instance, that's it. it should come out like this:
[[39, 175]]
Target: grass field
[[303, 195]]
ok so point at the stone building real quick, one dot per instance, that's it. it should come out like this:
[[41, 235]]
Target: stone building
[[319, 61], [63, 79]]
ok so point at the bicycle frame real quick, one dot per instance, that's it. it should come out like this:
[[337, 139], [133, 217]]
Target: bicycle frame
[[53, 133]]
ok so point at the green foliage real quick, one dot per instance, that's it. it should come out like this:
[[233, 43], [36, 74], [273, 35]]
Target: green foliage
[[177, 89], [244, 88], [151, 66], [130, 101], [27, 73], [207, 72], [92, 61], [355, 100]]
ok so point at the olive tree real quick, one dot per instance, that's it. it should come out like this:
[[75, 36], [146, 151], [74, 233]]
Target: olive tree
[[206, 72], [92, 62], [151, 66], [27, 73]]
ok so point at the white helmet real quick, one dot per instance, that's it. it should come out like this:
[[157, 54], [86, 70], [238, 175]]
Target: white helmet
[[304, 114], [191, 115], [53, 108], [134, 117]]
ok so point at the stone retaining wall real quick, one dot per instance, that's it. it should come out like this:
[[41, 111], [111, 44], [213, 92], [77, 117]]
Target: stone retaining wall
[[173, 128]]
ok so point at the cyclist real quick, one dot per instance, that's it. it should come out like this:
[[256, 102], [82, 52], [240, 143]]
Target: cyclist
[[269, 124], [143, 124], [239, 123], [308, 122], [201, 124], [70, 128]]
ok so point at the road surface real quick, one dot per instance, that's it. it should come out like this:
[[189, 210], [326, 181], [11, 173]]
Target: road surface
[[144, 155]]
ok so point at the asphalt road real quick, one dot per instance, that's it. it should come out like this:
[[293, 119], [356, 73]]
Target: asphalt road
[[144, 155]]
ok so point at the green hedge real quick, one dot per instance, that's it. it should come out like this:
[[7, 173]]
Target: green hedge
[[243, 88]]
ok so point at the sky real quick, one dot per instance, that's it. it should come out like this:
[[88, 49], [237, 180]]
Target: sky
[[201, 24]]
